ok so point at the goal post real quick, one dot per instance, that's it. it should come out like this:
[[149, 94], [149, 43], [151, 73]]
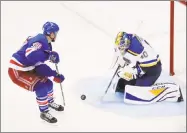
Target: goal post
[[172, 17]]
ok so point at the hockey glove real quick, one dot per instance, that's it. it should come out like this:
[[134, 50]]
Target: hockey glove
[[59, 78], [54, 57], [140, 72], [127, 73]]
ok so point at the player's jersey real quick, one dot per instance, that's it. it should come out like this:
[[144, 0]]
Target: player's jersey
[[141, 53], [32, 53]]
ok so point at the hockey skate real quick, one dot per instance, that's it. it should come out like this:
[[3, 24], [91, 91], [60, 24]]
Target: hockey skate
[[48, 117], [180, 98], [56, 107]]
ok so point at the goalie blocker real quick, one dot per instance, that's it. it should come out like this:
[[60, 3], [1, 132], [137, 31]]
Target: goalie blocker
[[149, 94]]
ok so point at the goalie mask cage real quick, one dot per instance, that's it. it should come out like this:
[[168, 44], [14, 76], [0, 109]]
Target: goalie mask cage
[[172, 35]]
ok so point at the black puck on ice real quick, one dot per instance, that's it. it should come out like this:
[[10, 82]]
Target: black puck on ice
[[83, 97]]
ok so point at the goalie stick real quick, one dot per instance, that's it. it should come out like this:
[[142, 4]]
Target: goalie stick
[[110, 82]]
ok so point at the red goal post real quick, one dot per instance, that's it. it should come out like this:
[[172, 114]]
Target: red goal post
[[172, 16]]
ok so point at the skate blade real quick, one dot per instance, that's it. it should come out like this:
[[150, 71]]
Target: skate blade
[[48, 123]]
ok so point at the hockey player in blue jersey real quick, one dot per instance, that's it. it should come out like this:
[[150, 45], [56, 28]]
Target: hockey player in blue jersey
[[28, 69], [140, 67]]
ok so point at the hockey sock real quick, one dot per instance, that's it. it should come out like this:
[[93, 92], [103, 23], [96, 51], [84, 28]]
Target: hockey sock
[[41, 96]]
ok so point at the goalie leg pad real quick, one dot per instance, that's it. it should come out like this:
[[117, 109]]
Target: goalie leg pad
[[152, 94]]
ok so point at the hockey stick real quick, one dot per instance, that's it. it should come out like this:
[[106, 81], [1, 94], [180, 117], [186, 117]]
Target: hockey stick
[[110, 82], [60, 85], [115, 62]]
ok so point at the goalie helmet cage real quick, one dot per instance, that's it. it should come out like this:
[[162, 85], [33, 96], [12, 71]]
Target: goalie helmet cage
[[172, 13]]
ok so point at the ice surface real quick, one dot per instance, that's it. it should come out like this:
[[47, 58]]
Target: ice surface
[[85, 44]]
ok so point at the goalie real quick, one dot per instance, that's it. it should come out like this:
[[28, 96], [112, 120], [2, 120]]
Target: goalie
[[139, 69]]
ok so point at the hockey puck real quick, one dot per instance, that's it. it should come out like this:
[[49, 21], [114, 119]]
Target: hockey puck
[[83, 97]]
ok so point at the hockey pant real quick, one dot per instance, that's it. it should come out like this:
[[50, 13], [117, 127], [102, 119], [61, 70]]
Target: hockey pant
[[29, 80]]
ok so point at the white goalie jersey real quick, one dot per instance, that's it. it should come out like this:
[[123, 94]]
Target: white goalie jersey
[[136, 57], [139, 54], [140, 51]]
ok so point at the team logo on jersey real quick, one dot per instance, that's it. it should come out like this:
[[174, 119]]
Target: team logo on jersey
[[37, 45], [34, 47]]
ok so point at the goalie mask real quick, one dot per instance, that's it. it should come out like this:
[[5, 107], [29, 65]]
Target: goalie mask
[[122, 42]]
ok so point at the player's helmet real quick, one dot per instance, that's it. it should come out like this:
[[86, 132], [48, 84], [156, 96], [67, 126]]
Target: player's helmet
[[122, 41], [50, 27]]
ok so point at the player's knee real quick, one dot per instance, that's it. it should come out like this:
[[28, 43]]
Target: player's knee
[[49, 83], [40, 89]]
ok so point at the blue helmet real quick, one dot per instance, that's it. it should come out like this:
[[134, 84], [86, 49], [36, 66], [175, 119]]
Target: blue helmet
[[50, 27]]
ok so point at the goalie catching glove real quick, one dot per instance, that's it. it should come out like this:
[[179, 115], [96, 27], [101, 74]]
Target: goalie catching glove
[[129, 73]]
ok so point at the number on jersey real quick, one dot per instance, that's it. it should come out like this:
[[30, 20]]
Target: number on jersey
[[144, 55]]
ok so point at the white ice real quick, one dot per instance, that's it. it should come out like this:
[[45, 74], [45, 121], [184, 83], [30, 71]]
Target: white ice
[[85, 44]]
